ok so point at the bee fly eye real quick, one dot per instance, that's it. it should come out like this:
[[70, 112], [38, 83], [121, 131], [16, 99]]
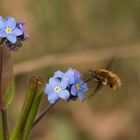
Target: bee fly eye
[[111, 85]]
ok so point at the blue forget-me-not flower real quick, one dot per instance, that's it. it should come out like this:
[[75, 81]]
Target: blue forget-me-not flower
[[9, 30], [56, 89], [79, 87], [67, 86], [12, 33]]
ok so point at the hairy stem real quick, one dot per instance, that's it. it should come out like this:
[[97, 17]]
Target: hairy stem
[[2, 108], [42, 114], [1, 55]]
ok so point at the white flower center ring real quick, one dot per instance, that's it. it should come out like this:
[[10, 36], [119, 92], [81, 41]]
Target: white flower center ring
[[8, 30], [57, 89]]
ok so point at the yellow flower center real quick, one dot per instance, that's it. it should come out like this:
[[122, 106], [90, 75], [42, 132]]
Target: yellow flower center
[[78, 86], [8, 30], [57, 89]]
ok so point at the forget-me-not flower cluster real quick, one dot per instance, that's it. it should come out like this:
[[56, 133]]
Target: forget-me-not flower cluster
[[12, 33], [68, 85]]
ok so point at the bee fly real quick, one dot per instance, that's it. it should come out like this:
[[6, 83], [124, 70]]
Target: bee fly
[[104, 77]]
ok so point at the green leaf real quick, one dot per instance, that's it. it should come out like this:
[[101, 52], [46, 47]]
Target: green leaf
[[29, 110], [9, 93], [32, 116]]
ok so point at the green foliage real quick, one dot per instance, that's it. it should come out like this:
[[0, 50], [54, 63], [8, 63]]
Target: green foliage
[[32, 116], [29, 110], [10, 92]]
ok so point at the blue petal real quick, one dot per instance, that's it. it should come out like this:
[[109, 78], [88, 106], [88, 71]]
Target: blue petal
[[81, 82], [81, 96], [48, 89], [63, 84], [73, 90], [11, 22], [2, 24], [12, 38], [78, 79], [2, 33], [17, 32], [52, 98], [64, 94], [65, 79], [69, 73], [71, 80], [54, 82], [59, 74], [77, 74], [84, 87]]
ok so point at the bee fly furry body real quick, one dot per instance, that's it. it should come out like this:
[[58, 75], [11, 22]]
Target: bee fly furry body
[[106, 77]]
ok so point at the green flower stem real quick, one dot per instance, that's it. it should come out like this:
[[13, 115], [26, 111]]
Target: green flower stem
[[1, 106], [42, 114], [4, 124], [32, 116]]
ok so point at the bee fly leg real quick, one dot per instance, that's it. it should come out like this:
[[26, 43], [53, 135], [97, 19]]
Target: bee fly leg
[[114, 87], [104, 82]]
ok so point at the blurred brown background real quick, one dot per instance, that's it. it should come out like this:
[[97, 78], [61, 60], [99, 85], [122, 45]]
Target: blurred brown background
[[83, 34]]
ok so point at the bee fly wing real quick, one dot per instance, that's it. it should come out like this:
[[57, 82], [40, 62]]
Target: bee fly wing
[[98, 87], [109, 65], [112, 59]]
